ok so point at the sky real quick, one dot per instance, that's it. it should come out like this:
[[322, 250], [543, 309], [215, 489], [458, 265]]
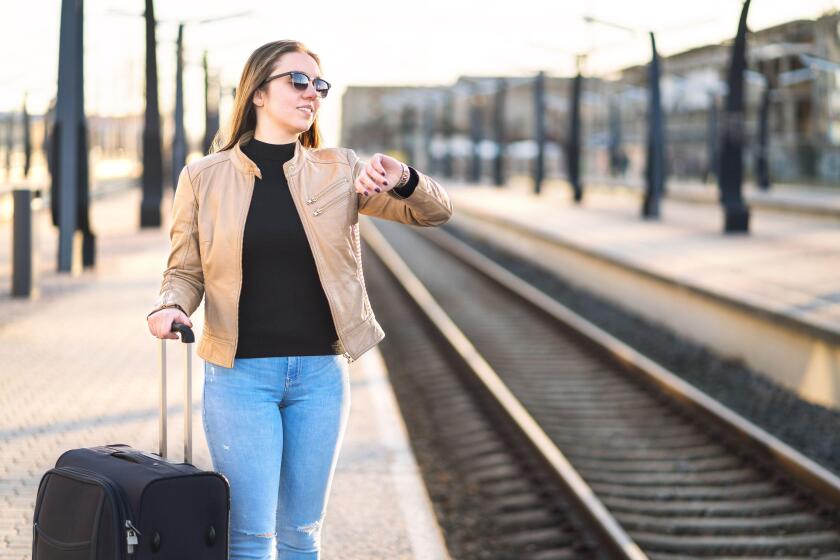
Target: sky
[[362, 42]]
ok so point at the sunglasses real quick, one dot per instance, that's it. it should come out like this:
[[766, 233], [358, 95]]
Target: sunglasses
[[300, 81]]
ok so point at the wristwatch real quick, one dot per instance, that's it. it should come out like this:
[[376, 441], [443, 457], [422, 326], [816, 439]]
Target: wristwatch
[[404, 177]]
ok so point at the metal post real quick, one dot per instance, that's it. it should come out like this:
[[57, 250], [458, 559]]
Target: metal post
[[179, 140], [211, 109], [448, 110], [88, 240], [152, 157], [22, 243], [736, 212], [27, 140], [208, 135], [655, 169], [573, 143], [712, 151], [539, 130], [10, 143], [618, 160], [499, 132], [476, 133], [428, 134], [762, 155], [407, 134], [48, 149], [66, 132]]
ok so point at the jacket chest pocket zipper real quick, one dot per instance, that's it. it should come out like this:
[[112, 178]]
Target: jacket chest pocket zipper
[[328, 189], [321, 209]]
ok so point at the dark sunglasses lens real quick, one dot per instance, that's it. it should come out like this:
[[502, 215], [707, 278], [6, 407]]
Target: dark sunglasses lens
[[300, 81]]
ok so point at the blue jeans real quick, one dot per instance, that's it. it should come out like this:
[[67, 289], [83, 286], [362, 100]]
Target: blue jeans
[[274, 428]]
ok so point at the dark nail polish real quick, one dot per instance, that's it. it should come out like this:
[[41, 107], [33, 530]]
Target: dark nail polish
[[378, 189]]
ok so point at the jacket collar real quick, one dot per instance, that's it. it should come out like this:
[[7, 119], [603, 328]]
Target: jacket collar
[[244, 164]]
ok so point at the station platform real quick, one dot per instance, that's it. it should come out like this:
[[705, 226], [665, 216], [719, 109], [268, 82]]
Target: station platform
[[814, 200], [770, 297], [78, 368]]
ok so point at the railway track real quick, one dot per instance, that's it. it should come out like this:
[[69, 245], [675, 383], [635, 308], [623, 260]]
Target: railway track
[[598, 450]]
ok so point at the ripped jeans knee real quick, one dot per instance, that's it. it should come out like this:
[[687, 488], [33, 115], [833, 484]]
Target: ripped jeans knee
[[299, 542], [247, 544]]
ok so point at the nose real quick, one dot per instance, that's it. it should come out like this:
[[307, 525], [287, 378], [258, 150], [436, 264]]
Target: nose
[[310, 92]]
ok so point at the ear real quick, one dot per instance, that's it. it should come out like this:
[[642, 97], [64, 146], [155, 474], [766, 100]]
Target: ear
[[258, 99]]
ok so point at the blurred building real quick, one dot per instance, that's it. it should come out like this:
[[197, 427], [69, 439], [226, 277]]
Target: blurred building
[[425, 124], [795, 58]]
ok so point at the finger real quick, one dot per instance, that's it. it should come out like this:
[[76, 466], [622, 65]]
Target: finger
[[365, 186], [375, 184], [166, 331], [362, 183], [379, 182], [163, 333], [376, 168], [381, 168]]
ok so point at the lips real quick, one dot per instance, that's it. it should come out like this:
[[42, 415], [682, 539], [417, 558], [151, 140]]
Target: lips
[[307, 110]]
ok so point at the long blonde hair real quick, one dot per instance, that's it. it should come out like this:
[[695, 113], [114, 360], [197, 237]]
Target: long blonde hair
[[244, 117]]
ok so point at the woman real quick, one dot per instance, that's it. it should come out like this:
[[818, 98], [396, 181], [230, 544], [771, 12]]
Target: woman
[[266, 229]]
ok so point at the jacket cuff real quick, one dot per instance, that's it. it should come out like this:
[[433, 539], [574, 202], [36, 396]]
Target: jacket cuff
[[405, 191], [167, 306]]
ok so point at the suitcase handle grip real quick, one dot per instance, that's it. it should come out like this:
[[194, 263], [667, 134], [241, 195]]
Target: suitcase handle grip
[[187, 335], [125, 456]]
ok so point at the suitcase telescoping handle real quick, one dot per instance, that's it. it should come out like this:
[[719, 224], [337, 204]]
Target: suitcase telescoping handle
[[187, 337]]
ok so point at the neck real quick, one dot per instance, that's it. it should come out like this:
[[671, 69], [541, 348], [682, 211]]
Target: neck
[[271, 135]]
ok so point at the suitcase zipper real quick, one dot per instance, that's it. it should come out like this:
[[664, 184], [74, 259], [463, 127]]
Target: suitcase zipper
[[131, 532]]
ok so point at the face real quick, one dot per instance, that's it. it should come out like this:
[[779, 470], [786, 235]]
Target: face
[[280, 102]]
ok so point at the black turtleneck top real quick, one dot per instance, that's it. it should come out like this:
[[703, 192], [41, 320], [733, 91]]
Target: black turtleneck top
[[283, 310]]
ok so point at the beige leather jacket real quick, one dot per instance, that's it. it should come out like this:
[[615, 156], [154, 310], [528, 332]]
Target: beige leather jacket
[[211, 204]]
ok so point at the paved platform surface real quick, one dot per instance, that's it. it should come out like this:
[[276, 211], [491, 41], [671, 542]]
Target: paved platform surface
[[78, 368], [800, 199], [789, 264]]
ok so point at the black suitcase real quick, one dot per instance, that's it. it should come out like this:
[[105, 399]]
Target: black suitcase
[[118, 503]]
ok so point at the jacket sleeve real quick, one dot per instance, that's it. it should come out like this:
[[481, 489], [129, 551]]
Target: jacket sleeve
[[183, 279], [428, 204]]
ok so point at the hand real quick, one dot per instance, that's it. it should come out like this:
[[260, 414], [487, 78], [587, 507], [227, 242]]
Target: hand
[[379, 175], [160, 322]]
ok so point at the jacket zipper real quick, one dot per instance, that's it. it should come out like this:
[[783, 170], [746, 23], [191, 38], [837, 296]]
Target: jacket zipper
[[328, 189], [321, 209], [316, 255], [131, 532]]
